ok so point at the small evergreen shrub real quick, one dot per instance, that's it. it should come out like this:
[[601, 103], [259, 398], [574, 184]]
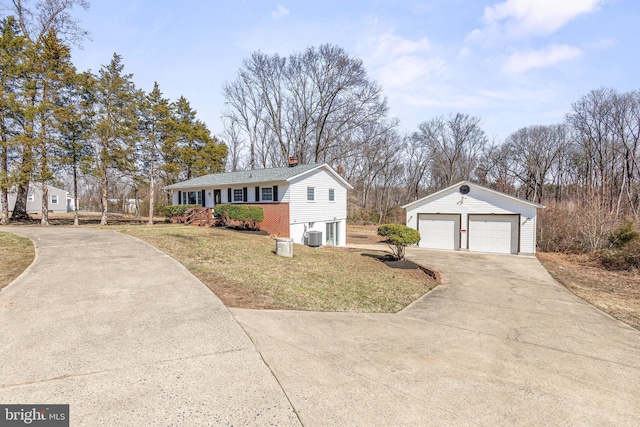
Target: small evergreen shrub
[[623, 252], [398, 238], [174, 211], [222, 211], [247, 216]]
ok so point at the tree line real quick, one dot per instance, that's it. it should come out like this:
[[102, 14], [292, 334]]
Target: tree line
[[98, 126], [320, 106]]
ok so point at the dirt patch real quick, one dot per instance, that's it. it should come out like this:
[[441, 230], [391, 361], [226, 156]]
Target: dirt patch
[[616, 293]]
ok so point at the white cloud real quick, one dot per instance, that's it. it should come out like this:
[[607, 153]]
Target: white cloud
[[399, 62], [392, 45], [280, 12], [519, 18], [521, 62]]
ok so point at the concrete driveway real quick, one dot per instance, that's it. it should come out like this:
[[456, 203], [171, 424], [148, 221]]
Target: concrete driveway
[[498, 343], [128, 337]]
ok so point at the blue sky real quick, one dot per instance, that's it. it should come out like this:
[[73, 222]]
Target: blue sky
[[514, 63]]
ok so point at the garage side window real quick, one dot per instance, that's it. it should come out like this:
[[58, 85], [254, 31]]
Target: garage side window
[[311, 194]]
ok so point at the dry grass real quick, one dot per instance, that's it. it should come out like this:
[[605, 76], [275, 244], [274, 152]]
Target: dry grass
[[16, 254], [243, 271], [616, 293], [363, 234]]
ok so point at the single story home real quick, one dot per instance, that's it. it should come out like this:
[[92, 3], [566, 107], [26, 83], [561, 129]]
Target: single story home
[[467, 216], [296, 200], [59, 200]]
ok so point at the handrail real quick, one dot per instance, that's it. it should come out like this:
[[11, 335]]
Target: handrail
[[204, 216]]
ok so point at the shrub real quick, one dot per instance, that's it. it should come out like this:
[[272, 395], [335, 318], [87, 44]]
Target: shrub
[[222, 211], [623, 235], [398, 238], [248, 216], [174, 211], [623, 252]]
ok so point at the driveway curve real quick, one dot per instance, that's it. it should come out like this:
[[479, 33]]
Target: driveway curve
[[499, 342], [127, 336]]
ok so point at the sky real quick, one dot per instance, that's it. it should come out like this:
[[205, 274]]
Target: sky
[[513, 63]]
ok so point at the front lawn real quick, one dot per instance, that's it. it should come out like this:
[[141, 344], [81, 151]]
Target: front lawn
[[243, 271], [16, 254]]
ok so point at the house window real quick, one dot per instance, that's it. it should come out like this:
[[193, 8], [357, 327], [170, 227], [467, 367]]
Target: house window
[[238, 195], [193, 198], [311, 194], [54, 199], [332, 195], [30, 198], [267, 194]]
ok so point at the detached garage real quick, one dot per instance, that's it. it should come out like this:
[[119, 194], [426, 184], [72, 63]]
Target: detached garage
[[468, 216]]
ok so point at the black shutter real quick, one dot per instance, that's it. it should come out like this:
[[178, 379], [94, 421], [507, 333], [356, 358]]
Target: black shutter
[[244, 194], [275, 193], [179, 197], [229, 195], [203, 198], [257, 194]]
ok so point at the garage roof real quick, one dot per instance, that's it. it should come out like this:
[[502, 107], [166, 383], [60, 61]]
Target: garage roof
[[476, 186]]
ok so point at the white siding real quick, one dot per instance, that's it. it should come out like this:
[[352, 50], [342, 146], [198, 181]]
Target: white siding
[[528, 234], [478, 201], [314, 215], [321, 209]]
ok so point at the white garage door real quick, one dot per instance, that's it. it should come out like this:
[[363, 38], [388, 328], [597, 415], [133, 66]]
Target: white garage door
[[439, 231], [493, 233]]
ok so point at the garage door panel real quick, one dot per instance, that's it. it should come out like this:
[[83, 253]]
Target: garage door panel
[[493, 233], [439, 231]]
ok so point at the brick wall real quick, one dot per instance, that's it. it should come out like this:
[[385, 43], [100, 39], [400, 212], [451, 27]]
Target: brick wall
[[276, 218]]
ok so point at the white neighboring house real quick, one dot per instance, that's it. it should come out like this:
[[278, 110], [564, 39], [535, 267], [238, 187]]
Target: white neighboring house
[[295, 199], [468, 216], [59, 200]]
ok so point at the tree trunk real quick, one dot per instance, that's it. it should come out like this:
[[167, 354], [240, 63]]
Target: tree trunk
[[151, 194], [103, 199], [45, 205], [76, 222], [20, 208], [5, 207], [136, 202]]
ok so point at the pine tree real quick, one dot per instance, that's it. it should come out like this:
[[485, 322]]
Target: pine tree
[[115, 125], [74, 149], [54, 73], [199, 153], [158, 128], [12, 51]]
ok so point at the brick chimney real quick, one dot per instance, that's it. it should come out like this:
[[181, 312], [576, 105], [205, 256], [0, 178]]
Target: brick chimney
[[293, 162]]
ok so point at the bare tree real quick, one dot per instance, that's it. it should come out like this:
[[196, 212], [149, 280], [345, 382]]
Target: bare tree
[[455, 144], [307, 105], [533, 152]]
